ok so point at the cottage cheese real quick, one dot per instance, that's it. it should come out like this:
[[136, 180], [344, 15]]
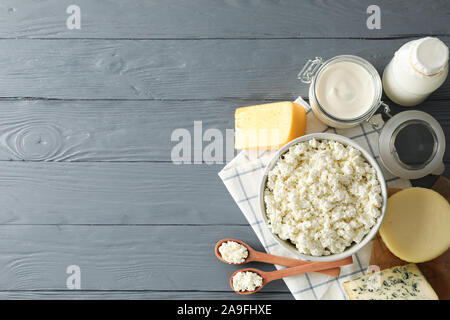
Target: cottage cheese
[[322, 196], [246, 281], [233, 252]]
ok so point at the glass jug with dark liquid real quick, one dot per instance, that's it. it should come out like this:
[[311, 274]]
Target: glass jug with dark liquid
[[412, 145]]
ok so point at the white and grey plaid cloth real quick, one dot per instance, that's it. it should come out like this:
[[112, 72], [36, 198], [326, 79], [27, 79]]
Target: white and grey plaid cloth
[[242, 177]]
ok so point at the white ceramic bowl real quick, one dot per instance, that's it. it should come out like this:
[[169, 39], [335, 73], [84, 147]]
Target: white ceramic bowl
[[355, 246]]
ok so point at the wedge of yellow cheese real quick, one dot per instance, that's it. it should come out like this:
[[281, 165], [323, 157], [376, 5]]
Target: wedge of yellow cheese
[[269, 126], [416, 227]]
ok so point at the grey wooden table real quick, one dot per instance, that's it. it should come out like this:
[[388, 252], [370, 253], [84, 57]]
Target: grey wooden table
[[86, 118]]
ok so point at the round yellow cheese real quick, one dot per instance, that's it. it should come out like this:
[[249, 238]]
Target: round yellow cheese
[[416, 227]]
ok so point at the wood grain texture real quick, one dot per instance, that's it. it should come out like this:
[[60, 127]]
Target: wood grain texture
[[49, 130], [83, 192], [138, 295], [125, 223], [114, 193], [174, 258], [188, 69], [221, 19]]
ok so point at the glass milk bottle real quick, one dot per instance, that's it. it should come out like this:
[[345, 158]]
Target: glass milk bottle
[[418, 68]]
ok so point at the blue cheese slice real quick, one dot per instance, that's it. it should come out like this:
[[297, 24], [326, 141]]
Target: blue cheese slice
[[397, 283]]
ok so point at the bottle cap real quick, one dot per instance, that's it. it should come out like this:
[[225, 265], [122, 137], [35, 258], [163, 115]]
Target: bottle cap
[[429, 56]]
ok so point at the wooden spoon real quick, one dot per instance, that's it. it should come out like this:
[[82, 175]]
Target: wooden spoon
[[254, 255], [288, 272]]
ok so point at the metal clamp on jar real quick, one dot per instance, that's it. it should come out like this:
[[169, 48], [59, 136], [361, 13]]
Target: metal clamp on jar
[[346, 90]]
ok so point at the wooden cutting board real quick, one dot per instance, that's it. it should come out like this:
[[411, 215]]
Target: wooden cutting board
[[436, 271]]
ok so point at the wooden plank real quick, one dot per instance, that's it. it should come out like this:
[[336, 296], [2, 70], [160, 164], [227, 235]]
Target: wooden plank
[[138, 295], [223, 19], [118, 193], [49, 130], [170, 258], [114, 193], [53, 130], [190, 69]]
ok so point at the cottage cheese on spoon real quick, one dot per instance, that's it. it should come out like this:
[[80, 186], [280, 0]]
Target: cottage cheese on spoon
[[233, 252]]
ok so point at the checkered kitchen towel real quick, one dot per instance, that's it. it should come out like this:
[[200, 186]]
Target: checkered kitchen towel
[[242, 178]]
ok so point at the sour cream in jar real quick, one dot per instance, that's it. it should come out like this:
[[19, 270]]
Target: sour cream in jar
[[344, 91]]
